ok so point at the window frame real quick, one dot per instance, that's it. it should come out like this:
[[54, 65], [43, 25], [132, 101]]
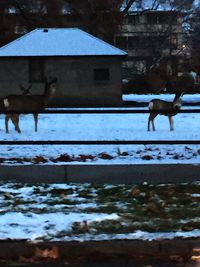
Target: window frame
[[36, 68], [133, 19], [101, 75]]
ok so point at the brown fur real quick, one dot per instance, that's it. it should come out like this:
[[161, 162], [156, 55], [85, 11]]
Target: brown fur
[[166, 108], [27, 103]]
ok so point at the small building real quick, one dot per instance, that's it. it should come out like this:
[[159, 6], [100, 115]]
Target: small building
[[89, 70]]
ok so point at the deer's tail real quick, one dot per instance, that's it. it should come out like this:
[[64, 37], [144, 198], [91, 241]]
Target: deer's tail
[[150, 106], [6, 103]]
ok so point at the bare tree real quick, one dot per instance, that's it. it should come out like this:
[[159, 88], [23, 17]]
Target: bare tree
[[102, 18], [28, 15], [99, 17], [193, 37]]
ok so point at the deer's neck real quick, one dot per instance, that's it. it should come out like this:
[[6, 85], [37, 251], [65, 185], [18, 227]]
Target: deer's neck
[[48, 96]]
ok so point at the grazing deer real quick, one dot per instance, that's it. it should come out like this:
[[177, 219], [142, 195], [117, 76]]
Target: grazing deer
[[28, 103], [161, 107]]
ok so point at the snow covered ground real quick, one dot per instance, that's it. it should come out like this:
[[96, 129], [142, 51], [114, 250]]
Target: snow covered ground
[[86, 212], [104, 127], [92, 212], [193, 98]]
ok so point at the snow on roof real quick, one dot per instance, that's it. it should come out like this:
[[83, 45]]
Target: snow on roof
[[59, 42]]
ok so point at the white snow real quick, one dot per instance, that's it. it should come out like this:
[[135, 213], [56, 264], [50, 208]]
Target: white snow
[[29, 212], [106, 127], [17, 225], [35, 226]]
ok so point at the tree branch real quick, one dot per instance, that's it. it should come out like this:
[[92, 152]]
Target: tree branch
[[24, 16], [128, 6]]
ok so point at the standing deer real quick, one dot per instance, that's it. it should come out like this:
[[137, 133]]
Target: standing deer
[[166, 108], [15, 116], [28, 103]]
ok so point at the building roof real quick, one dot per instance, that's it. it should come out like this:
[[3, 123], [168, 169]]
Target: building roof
[[59, 42]]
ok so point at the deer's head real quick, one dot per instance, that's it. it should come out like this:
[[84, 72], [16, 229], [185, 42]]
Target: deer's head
[[50, 86], [177, 103]]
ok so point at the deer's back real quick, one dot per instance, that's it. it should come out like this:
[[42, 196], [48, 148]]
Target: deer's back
[[163, 107], [159, 103], [24, 102]]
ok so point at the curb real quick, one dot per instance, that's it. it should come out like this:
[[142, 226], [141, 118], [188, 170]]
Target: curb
[[98, 251], [101, 173]]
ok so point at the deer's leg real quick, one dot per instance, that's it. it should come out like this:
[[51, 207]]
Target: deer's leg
[[171, 123], [35, 115], [153, 126], [7, 117], [151, 121], [149, 124], [15, 121]]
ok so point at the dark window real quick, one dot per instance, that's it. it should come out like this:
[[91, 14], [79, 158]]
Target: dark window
[[138, 42], [174, 18], [158, 42], [133, 19], [132, 42], [143, 42], [36, 70], [101, 75], [121, 42], [163, 19], [152, 18]]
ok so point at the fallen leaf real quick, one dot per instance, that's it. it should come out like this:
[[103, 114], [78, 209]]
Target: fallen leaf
[[195, 258], [52, 253], [26, 260], [85, 157], [39, 159], [65, 157], [147, 157], [135, 192], [105, 156], [176, 258]]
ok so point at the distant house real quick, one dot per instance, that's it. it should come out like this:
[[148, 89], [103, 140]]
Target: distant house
[[150, 35], [87, 68]]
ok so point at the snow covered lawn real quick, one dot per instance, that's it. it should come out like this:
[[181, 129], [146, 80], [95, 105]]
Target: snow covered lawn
[[88, 211], [92, 212], [103, 127]]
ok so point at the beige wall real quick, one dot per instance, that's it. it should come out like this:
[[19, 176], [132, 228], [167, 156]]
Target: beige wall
[[76, 83]]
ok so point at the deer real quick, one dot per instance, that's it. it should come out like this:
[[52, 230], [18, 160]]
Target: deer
[[14, 116], [166, 108], [16, 104]]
